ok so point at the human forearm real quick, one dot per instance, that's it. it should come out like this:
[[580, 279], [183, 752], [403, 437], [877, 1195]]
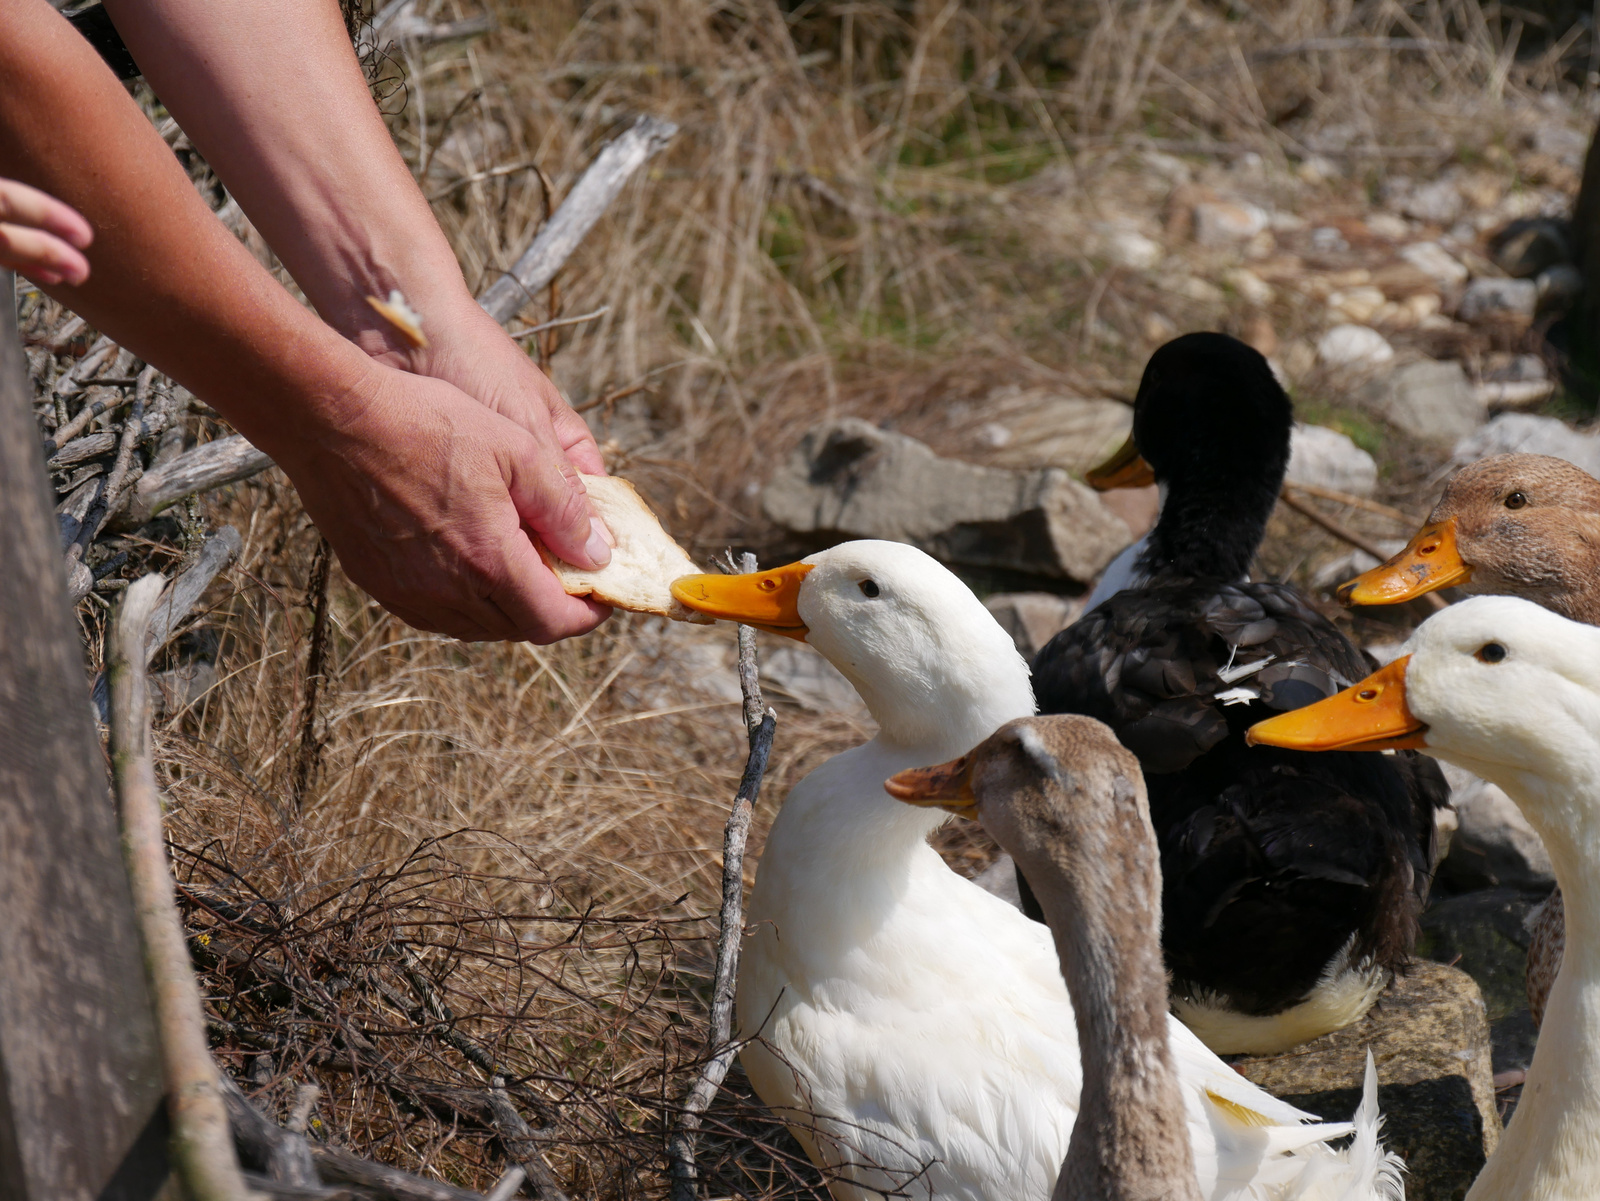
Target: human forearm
[[204, 311], [272, 95]]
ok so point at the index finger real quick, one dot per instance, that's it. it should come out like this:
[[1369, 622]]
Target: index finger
[[23, 205]]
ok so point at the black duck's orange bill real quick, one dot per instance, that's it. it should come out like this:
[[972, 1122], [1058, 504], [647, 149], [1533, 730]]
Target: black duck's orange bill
[[1429, 562], [947, 786], [768, 600], [1124, 469], [1369, 716]]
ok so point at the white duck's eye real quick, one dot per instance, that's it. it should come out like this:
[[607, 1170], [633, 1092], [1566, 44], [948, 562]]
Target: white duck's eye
[[1516, 500], [1490, 652], [869, 588]]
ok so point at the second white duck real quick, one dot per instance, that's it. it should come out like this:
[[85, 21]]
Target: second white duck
[[913, 1030]]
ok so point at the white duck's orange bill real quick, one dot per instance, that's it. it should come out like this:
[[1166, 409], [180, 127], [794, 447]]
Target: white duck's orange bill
[[1369, 716], [1430, 561], [768, 600]]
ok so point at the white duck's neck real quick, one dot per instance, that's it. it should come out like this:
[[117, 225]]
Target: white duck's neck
[[1552, 1147]]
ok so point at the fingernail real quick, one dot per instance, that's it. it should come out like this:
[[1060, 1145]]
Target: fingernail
[[599, 545]]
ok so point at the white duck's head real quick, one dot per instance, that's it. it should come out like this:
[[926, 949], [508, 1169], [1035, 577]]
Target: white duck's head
[[1496, 684], [931, 663]]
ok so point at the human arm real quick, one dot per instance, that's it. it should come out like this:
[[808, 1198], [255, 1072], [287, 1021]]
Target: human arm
[[273, 96], [423, 491], [41, 237]]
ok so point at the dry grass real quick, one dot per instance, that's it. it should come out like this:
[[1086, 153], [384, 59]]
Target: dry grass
[[872, 207]]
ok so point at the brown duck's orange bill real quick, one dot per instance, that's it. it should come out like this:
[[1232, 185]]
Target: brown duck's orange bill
[[768, 600], [1429, 562], [1124, 469], [947, 786], [1369, 716]]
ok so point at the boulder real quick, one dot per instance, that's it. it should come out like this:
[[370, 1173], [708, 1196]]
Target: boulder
[[1493, 843], [849, 479], [1051, 430], [1326, 458], [1498, 300], [1033, 618], [798, 672], [1486, 933], [1529, 434], [1431, 401], [1429, 1035], [1354, 346]]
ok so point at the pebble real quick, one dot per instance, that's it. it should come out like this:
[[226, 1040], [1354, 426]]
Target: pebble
[[1526, 433], [1436, 263], [1558, 288], [1252, 289], [1431, 401], [1328, 459], [1354, 346], [1358, 305], [1438, 203], [1220, 222], [1130, 248]]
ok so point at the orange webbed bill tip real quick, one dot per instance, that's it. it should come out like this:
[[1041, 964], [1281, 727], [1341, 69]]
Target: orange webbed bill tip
[[1369, 716], [1430, 561], [946, 786], [768, 600], [1126, 468]]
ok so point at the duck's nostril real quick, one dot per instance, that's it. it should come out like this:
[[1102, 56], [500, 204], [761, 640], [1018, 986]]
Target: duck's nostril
[[1367, 694]]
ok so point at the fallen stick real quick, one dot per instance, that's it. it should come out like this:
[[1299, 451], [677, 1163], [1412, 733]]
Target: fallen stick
[[589, 198], [1359, 502], [760, 723], [230, 459], [201, 1148]]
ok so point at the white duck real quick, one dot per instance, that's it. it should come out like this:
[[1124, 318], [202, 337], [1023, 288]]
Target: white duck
[[912, 1029], [1511, 692]]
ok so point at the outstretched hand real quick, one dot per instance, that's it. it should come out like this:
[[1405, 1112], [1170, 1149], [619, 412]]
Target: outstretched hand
[[41, 237], [428, 497]]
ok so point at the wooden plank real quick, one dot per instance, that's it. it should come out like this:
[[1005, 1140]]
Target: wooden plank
[[81, 1114]]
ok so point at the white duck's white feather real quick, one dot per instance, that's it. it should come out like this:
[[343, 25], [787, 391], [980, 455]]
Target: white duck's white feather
[[913, 1029], [1531, 724]]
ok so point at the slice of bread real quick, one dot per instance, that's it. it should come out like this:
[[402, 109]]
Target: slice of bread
[[644, 561]]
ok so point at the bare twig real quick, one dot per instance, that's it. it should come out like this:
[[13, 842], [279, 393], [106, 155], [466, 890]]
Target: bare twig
[[564, 321], [305, 760], [589, 198], [223, 461], [720, 1044], [202, 1150], [1359, 502]]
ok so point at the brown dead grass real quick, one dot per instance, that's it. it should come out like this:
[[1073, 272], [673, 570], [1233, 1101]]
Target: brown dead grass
[[871, 207]]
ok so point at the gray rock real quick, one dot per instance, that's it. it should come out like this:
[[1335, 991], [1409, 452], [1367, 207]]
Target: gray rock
[[1429, 1035], [795, 670], [1493, 843], [1431, 401], [1033, 618], [1328, 459], [1528, 246], [1498, 299], [1438, 202], [850, 479], [1051, 430], [1485, 932], [1526, 433], [1438, 264], [1350, 345]]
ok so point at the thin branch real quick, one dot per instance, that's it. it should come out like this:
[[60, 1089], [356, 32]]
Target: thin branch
[[720, 1044], [563, 321], [306, 756], [202, 1150]]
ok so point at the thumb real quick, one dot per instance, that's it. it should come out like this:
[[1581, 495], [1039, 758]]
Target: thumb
[[551, 500]]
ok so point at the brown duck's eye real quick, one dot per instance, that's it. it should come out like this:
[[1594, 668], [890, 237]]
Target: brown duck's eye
[[869, 588], [1490, 652], [1516, 500]]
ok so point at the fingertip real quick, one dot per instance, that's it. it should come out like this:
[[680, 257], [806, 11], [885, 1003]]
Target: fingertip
[[600, 542]]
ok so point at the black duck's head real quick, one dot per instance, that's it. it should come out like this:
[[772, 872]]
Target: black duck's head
[[1213, 424]]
